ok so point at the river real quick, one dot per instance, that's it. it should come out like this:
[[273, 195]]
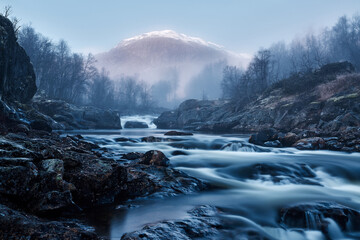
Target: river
[[251, 184]]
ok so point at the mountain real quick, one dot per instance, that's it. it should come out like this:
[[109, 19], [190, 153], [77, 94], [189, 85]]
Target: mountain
[[171, 61]]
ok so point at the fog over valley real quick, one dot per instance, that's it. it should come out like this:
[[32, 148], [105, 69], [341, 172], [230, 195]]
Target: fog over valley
[[173, 65]]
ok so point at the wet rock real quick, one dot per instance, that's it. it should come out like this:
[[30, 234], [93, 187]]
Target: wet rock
[[279, 173], [17, 225], [158, 182], [96, 181], [103, 119], [167, 120], [132, 155], [123, 139], [288, 139], [310, 144], [35, 190], [21, 128], [262, 136], [155, 157], [240, 146], [76, 117], [179, 152], [203, 223], [53, 165], [191, 114], [177, 133], [89, 146], [314, 216], [309, 134], [135, 124], [152, 139], [41, 125], [275, 143], [334, 145]]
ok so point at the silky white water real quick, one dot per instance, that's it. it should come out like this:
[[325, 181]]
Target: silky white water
[[250, 183]]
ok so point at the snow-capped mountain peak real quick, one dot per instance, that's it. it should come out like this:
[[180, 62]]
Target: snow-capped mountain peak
[[168, 34]]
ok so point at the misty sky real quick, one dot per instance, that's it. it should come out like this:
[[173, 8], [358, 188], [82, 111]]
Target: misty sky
[[239, 26]]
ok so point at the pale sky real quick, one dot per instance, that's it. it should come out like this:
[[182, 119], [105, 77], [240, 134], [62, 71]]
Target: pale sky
[[238, 25]]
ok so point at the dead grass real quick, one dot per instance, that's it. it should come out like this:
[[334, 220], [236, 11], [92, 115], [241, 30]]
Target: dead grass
[[342, 82]]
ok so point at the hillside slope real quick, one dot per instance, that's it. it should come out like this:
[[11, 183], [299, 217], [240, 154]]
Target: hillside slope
[[325, 103]]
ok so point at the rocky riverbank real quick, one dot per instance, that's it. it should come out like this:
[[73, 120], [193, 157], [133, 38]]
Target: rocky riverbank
[[325, 116], [45, 175], [65, 116]]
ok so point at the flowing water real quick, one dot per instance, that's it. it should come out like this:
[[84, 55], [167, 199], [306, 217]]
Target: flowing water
[[251, 184]]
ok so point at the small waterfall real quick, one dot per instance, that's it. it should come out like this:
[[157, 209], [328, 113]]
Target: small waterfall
[[148, 119], [311, 219], [334, 230], [242, 147]]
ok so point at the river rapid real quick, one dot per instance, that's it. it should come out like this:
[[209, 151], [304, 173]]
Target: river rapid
[[254, 187]]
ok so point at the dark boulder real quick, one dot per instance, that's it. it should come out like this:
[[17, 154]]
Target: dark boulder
[[135, 124], [314, 143], [103, 119], [69, 116], [177, 133], [167, 120], [203, 223], [41, 125], [275, 143], [132, 155], [179, 152], [288, 139], [40, 191], [336, 68], [121, 139], [155, 157], [17, 225], [334, 145], [17, 77], [263, 136], [314, 216], [152, 139], [280, 173]]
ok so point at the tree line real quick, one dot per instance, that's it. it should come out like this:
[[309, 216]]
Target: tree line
[[73, 77], [301, 56]]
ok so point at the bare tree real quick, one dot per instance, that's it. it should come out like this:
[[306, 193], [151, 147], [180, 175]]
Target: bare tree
[[15, 21], [7, 11], [259, 69], [232, 84]]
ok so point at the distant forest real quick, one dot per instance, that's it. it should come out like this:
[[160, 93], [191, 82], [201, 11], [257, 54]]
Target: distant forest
[[73, 77], [286, 61]]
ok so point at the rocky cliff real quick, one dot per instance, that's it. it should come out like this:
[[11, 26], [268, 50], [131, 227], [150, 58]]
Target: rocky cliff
[[17, 77], [325, 102]]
